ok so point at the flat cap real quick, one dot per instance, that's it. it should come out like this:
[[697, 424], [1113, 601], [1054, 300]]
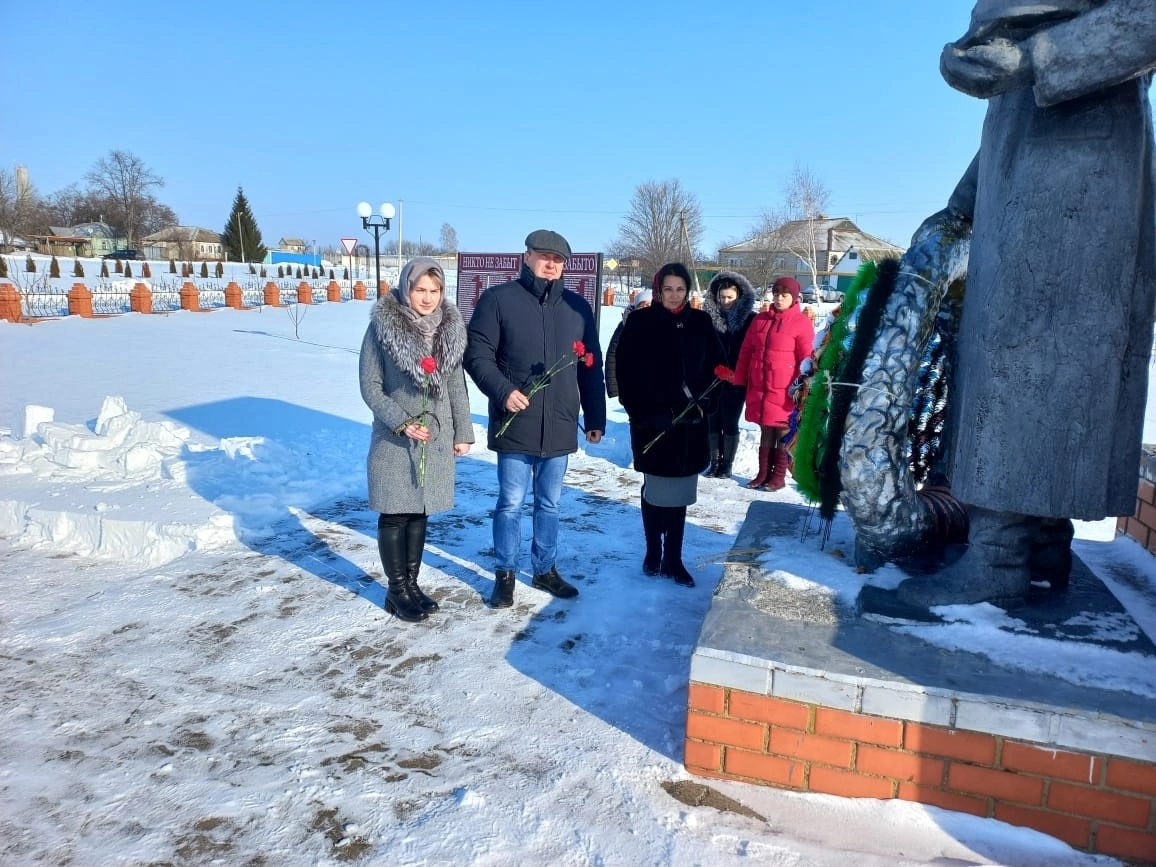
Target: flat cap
[[545, 241]]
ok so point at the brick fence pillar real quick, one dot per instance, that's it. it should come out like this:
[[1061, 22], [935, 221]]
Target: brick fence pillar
[[304, 293], [140, 299], [233, 295], [333, 291], [607, 297], [272, 295], [359, 291], [382, 288], [79, 300], [10, 306], [190, 297]]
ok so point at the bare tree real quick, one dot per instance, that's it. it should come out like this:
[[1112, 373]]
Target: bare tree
[[653, 229], [807, 202], [449, 239], [789, 237], [123, 178]]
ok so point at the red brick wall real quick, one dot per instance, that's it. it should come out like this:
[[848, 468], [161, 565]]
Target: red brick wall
[[1099, 803], [1141, 526]]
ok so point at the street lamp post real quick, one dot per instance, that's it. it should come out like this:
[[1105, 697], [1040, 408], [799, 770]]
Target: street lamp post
[[378, 224]]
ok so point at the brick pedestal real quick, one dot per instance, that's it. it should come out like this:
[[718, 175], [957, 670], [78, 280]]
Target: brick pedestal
[[80, 300], [10, 306], [140, 299]]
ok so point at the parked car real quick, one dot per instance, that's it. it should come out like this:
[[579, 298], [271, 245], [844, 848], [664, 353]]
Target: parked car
[[124, 254], [809, 295], [831, 294]]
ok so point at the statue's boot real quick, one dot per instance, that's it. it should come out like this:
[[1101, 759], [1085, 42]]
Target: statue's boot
[[1051, 557], [994, 568]]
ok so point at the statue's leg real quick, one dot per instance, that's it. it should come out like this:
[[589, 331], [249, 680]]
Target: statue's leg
[[1051, 556], [993, 569]]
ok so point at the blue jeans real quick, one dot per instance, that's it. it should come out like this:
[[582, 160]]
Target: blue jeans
[[515, 472]]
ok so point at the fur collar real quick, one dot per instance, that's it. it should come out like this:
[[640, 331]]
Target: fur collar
[[744, 309], [401, 341]]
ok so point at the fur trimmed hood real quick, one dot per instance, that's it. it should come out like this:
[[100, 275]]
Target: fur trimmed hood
[[400, 340], [744, 308]]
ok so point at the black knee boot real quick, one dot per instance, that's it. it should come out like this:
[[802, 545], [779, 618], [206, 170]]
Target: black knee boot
[[729, 447], [715, 440], [652, 522], [674, 526], [392, 548], [414, 546]]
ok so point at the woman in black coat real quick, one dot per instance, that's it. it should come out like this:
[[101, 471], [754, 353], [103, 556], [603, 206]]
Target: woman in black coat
[[730, 303], [666, 358]]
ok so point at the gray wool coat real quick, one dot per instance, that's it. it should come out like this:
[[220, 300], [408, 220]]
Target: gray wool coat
[[1057, 322], [391, 385]]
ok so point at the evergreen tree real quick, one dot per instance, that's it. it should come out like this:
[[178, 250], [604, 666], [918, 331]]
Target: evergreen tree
[[3, 267], [53, 268], [77, 268], [241, 237], [204, 269]]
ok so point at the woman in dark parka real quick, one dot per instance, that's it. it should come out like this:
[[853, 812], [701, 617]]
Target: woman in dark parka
[[665, 358], [730, 303], [409, 324]]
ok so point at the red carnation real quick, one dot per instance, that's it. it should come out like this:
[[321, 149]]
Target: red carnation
[[724, 373], [589, 359], [428, 364], [579, 348]]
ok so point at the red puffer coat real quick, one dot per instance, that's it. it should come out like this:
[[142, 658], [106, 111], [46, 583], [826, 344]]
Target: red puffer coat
[[775, 346]]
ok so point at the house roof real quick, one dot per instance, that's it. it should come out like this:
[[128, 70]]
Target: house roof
[[186, 234], [85, 230], [292, 242], [835, 234]]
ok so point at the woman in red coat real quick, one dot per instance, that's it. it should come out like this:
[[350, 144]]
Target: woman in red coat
[[776, 344]]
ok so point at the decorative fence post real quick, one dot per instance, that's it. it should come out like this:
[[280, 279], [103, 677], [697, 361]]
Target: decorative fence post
[[10, 306], [359, 291], [80, 300], [333, 291], [140, 299], [382, 288], [633, 295], [607, 297], [190, 297], [272, 295], [233, 295], [304, 293]]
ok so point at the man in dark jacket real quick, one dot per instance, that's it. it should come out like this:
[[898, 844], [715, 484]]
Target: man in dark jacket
[[524, 333]]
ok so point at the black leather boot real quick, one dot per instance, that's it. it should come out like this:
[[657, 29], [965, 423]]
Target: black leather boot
[[715, 441], [414, 546], [391, 547], [652, 529], [554, 584], [675, 527], [730, 446], [503, 595]]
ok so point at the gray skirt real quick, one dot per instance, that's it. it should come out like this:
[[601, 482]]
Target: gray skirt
[[670, 490]]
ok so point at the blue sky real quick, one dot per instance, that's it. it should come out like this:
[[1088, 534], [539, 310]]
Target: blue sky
[[497, 118]]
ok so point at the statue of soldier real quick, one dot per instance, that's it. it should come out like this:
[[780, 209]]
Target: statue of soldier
[[1057, 324]]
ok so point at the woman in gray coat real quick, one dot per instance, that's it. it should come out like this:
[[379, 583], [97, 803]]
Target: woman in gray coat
[[412, 380]]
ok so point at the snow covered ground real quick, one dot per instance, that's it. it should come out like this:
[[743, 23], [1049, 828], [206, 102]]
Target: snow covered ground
[[197, 668]]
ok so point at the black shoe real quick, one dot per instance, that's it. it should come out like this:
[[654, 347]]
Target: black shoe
[[503, 595], [678, 572], [554, 584], [652, 565]]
